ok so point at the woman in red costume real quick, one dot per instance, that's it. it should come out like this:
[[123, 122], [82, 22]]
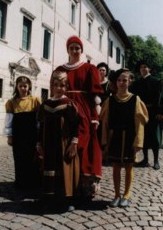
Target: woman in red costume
[[84, 85]]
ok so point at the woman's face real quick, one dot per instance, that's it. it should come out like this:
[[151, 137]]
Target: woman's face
[[23, 89], [74, 51], [102, 73], [144, 70]]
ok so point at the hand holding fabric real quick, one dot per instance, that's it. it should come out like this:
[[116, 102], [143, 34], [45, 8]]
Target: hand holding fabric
[[71, 150]]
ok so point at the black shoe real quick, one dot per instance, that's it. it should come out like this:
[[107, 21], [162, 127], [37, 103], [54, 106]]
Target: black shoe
[[156, 166], [142, 163]]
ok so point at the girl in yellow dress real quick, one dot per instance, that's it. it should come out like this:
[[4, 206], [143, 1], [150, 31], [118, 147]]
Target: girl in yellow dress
[[21, 132], [123, 117]]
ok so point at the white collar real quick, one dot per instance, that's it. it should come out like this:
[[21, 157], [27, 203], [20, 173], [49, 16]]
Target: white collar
[[73, 66], [146, 76], [55, 99]]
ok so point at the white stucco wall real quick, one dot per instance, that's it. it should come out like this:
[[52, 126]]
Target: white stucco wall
[[56, 17]]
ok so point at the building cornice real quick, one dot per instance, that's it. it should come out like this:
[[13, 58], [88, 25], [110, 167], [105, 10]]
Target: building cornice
[[108, 17], [27, 13], [32, 69], [103, 10], [45, 25], [7, 1]]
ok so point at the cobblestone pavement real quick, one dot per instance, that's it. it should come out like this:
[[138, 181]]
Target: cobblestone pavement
[[22, 210]]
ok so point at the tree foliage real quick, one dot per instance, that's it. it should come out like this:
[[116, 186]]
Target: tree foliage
[[150, 50]]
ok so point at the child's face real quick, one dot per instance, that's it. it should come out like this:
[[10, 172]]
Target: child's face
[[23, 89], [58, 88], [123, 81]]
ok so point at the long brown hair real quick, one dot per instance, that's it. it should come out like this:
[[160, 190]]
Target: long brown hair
[[22, 79]]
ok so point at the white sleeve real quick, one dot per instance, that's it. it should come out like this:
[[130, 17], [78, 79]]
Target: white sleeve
[[97, 100], [98, 109], [8, 124]]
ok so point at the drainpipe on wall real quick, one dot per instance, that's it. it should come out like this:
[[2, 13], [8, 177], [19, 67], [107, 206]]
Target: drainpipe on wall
[[80, 9], [108, 47], [54, 35]]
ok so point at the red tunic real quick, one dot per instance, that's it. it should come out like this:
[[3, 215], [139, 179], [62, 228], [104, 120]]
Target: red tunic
[[84, 84]]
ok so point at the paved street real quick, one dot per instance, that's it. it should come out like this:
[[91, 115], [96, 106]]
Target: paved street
[[22, 211]]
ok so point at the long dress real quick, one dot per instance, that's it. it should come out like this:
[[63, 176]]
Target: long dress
[[123, 127], [24, 134], [58, 127], [84, 84]]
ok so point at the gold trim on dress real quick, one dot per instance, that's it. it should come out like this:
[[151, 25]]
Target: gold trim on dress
[[123, 99], [49, 173], [76, 91], [53, 110]]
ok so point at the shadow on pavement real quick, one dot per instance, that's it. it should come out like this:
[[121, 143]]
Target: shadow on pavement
[[30, 202]]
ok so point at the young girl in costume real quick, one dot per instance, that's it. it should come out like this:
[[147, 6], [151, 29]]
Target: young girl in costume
[[123, 117], [59, 118], [21, 132]]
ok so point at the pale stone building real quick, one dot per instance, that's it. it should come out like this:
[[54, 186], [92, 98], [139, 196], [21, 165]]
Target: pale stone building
[[33, 35]]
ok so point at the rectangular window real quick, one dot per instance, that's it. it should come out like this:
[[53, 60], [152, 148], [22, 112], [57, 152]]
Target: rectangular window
[[101, 32], [89, 30], [26, 40], [44, 94], [110, 48], [100, 42], [73, 9], [3, 13], [118, 55], [47, 41], [90, 18], [1, 87]]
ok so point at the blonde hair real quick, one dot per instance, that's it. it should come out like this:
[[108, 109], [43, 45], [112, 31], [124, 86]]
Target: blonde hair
[[58, 75]]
